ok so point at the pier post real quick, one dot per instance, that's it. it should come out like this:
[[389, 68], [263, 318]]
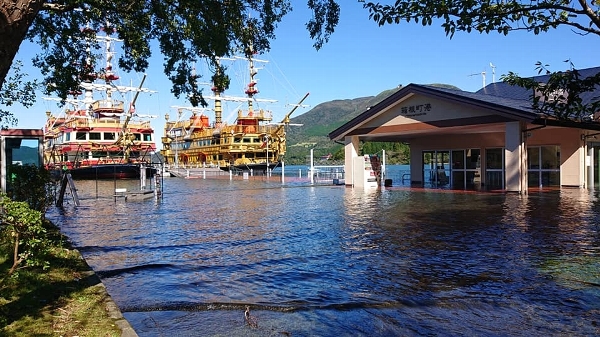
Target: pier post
[[312, 167], [142, 177]]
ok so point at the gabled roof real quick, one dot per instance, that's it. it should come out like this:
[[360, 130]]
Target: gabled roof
[[503, 99], [503, 89]]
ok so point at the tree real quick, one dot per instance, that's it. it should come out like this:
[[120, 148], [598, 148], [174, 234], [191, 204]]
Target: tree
[[184, 30], [505, 16]]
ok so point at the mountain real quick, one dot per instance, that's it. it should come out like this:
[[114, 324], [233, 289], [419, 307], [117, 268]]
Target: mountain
[[318, 122], [25, 155]]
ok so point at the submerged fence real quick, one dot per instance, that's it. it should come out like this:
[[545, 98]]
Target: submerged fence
[[318, 175]]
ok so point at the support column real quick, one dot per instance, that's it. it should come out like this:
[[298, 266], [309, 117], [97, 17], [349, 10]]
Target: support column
[[515, 158], [589, 165], [351, 144]]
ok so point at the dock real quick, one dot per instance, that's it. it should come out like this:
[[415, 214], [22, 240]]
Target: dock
[[133, 195]]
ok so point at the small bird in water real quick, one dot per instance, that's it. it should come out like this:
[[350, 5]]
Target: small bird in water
[[251, 320]]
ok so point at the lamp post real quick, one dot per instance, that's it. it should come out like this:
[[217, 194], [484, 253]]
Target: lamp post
[[266, 139], [180, 112]]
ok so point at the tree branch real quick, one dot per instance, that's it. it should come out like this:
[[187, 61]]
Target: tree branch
[[58, 7]]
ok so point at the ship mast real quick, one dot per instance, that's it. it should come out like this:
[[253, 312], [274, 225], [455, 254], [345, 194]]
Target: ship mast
[[251, 90], [217, 89]]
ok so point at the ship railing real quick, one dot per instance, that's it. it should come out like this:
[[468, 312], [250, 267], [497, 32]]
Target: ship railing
[[107, 104]]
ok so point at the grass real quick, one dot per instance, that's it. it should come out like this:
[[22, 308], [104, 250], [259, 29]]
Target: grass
[[66, 299]]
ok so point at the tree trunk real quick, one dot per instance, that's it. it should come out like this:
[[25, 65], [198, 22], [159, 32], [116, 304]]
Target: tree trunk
[[16, 17], [16, 259]]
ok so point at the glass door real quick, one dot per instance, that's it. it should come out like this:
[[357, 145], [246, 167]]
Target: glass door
[[596, 167], [436, 168]]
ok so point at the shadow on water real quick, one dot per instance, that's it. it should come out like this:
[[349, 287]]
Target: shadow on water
[[330, 260]]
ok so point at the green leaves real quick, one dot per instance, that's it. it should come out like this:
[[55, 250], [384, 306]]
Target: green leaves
[[23, 228], [489, 15], [326, 14], [16, 90], [31, 184], [185, 31], [22, 215], [561, 96]]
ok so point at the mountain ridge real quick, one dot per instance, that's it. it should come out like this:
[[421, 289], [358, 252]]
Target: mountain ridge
[[325, 117]]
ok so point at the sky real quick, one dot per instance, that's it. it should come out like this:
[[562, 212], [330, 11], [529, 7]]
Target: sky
[[361, 59]]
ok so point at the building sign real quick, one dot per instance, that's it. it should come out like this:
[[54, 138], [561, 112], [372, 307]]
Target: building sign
[[415, 110]]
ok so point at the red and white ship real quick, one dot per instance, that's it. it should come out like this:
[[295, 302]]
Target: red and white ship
[[98, 136]]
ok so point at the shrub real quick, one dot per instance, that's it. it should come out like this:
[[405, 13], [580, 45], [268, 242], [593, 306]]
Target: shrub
[[23, 228]]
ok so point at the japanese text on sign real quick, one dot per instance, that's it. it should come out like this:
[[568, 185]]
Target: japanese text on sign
[[415, 110]]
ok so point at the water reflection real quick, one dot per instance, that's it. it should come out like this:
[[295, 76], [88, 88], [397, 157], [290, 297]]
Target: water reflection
[[331, 260]]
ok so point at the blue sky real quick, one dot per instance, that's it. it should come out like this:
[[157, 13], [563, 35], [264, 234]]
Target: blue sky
[[363, 59]]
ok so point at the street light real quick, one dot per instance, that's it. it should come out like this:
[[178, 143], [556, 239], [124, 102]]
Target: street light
[[180, 112], [266, 139]]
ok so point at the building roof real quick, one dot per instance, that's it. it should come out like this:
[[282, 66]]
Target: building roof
[[500, 98], [503, 89], [22, 133]]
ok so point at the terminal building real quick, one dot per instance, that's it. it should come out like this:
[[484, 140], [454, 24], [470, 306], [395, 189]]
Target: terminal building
[[491, 139]]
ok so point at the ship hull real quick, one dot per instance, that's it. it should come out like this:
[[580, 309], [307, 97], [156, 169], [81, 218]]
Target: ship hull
[[111, 171]]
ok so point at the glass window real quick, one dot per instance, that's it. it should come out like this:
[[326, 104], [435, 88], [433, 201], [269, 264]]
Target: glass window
[[550, 157], [533, 157], [493, 158], [80, 136], [94, 135], [458, 159], [109, 136], [473, 159], [147, 137], [494, 180], [543, 166]]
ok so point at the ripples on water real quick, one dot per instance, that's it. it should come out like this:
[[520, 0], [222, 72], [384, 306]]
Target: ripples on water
[[336, 261]]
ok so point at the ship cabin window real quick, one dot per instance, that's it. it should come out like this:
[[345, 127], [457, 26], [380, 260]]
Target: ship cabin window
[[94, 135], [256, 140], [237, 140], [67, 136], [109, 136], [220, 157], [137, 136], [147, 137], [80, 136], [247, 140]]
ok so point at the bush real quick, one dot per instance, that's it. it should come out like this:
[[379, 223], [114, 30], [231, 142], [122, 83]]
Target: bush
[[31, 184], [23, 229]]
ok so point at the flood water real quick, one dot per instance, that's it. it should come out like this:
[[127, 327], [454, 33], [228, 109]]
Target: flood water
[[337, 261]]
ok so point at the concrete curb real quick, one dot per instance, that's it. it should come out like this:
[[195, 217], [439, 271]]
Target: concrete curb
[[111, 307], [115, 313]]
